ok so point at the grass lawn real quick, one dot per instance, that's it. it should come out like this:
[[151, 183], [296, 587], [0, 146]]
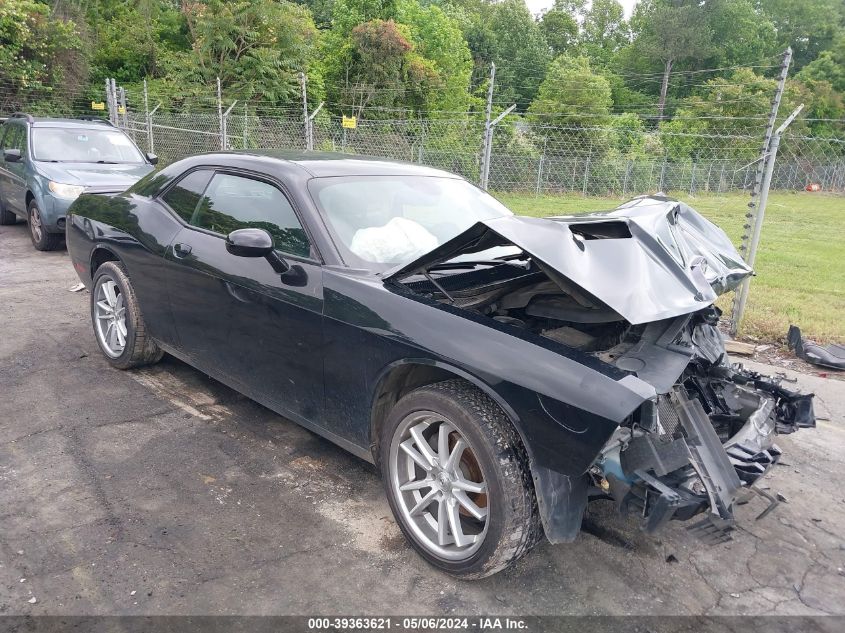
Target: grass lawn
[[800, 262]]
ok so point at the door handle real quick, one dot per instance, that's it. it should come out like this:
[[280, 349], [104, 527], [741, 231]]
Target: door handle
[[181, 250]]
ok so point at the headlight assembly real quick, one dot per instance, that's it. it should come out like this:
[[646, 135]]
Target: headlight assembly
[[62, 190]]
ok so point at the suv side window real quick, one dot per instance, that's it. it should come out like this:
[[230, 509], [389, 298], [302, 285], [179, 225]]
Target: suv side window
[[184, 196], [12, 139], [236, 202]]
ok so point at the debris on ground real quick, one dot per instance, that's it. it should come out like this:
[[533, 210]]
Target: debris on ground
[[832, 356], [738, 347], [77, 287], [32, 600]]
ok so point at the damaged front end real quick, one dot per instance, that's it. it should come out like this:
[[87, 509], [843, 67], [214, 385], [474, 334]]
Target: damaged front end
[[697, 448], [633, 288]]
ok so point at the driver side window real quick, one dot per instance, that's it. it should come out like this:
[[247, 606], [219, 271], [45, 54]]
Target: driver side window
[[235, 202]]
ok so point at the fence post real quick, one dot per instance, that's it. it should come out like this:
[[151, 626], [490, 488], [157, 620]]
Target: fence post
[[421, 149], [488, 134], [663, 176], [586, 175], [627, 176], [310, 128], [692, 180], [147, 118], [225, 128], [756, 192], [122, 92], [489, 154], [306, 120], [246, 122], [540, 167], [742, 292], [220, 123], [111, 101]]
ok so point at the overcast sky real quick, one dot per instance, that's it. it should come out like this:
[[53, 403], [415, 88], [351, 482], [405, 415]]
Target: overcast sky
[[538, 6]]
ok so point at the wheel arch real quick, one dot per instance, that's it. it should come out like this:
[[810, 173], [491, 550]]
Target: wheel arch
[[403, 376], [99, 256]]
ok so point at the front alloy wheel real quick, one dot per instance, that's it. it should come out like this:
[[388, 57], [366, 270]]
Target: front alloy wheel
[[439, 486], [457, 479], [42, 239]]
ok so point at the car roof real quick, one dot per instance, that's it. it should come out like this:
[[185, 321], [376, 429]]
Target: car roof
[[43, 121], [327, 164]]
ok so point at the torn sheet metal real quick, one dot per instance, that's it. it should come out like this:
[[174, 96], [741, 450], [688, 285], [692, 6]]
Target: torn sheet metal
[[653, 258]]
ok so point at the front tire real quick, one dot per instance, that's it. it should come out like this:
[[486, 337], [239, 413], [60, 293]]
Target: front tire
[[118, 324], [42, 239], [457, 479]]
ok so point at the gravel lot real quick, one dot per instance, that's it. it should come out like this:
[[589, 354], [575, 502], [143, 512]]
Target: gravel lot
[[161, 491]]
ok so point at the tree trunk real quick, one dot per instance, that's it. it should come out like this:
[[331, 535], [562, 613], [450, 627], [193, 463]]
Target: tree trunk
[[661, 105]]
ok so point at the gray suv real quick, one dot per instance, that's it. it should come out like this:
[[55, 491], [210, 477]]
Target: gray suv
[[45, 164]]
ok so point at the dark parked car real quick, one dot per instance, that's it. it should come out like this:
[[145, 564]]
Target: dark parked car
[[45, 164], [500, 370]]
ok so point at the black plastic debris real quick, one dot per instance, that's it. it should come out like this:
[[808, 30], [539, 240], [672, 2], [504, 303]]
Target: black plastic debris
[[831, 356]]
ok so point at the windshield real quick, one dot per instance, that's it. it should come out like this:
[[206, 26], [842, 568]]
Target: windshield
[[379, 222], [83, 145]]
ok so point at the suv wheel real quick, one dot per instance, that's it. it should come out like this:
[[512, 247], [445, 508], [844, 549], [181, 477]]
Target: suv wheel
[[118, 324], [457, 478], [42, 240], [6, 216]]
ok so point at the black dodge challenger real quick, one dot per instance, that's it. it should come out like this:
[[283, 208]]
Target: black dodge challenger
[[500, 370]]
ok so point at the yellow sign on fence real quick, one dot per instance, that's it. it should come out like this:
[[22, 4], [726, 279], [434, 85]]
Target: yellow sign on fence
[[350, 122], [121, 110], [98, 105]]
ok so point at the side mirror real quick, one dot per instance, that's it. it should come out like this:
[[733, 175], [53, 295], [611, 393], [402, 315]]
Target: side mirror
[[152, 158], [11, 155], [256, 243], [249, 243]]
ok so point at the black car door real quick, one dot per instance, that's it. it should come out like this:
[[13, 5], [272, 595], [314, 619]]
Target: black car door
[[238, 319]]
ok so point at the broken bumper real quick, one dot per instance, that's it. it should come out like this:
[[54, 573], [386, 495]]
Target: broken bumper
[[700, 449]]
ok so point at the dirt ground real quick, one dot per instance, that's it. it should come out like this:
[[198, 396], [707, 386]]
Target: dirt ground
[[161, 491]]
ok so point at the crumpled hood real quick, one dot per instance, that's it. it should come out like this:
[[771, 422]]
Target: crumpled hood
[[652, 258], [94, 175]]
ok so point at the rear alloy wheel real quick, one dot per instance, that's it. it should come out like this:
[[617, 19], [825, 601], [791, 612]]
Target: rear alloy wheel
[[118, 324], [457, 480], [41, 238]]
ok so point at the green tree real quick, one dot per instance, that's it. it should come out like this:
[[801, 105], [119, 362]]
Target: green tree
[[135, 39], [829, 66], [256, 47], [560, 28], [671, 31], [572, 95], [520, 52], [423, 49], [724, 117], [808, 26], [35, 50], [603, 32]]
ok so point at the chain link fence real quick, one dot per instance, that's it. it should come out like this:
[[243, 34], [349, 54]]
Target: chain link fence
[[526, 157]]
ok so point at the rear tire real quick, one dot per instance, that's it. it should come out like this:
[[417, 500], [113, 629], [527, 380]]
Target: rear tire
[[42, 240], [482, 490], [7, 218], [118, 323]]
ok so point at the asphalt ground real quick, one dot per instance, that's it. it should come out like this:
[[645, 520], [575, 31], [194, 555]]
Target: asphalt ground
[[160, 491]]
